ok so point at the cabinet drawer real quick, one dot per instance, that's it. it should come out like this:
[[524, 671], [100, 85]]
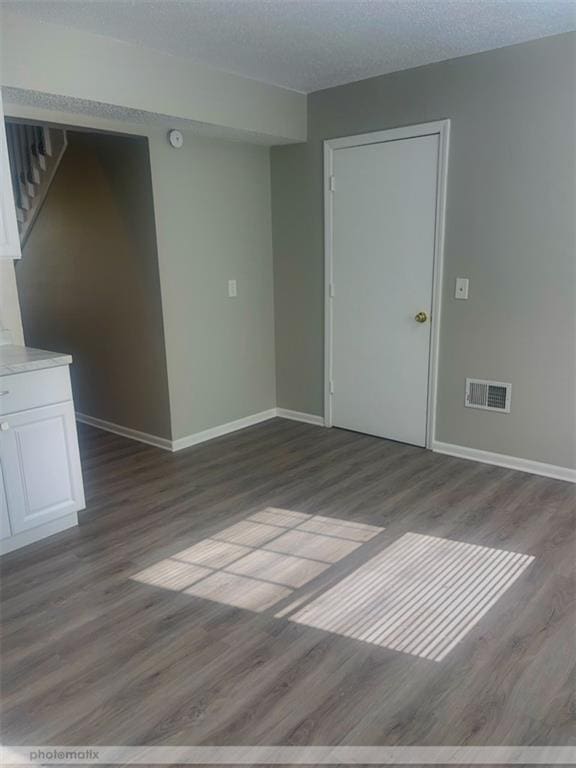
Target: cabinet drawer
[[21, 391]]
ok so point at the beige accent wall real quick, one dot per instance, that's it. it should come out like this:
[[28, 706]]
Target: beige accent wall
[[212, 209], [510, 229], [214, 224], [89, 283]]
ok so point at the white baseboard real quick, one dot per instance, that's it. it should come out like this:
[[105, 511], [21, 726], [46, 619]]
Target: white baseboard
[[460, 451], [223, 429], [133, 434], [199, 437], [510, 462], [307, 418]]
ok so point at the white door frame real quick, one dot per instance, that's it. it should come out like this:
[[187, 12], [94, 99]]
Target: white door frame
[[442, 129]]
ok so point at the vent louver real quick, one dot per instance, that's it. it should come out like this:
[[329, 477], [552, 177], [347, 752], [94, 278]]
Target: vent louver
[[488, 395]]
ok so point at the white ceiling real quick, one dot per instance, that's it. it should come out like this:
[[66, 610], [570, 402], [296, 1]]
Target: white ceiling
[[307, 45]]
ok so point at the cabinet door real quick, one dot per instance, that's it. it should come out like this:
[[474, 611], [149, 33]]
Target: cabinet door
[[9, 237], [5, 530], [39, 454]]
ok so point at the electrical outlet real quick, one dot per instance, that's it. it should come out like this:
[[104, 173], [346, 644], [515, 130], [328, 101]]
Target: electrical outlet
[[461, 291], [232, 288]]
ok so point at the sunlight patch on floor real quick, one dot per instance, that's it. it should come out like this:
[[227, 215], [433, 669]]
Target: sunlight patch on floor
[[259, 561], [421, 595]]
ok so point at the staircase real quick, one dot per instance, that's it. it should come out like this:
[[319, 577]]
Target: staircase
[[35, 152]]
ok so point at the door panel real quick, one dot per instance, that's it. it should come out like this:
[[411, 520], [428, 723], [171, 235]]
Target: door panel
[[5, 530], [384, 214], [41, 465]]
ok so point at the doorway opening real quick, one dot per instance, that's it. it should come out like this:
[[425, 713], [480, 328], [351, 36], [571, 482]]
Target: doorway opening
[[88, 280]]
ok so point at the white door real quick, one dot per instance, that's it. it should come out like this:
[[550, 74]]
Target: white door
[[383, 241], [40, 465]]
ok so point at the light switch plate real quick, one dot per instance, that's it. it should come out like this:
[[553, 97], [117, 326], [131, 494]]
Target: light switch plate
[[461, 291], [232, 288]]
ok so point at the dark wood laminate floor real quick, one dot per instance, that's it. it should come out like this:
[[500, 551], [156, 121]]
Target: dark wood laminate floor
[[99, 649]]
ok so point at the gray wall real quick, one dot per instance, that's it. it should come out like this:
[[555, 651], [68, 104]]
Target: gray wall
[[212, 202], [89, 284], [510, 228]]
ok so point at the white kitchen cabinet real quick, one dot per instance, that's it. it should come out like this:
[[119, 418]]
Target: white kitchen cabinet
[[39, 456], [5, 529], [42, 488], [9, 237]]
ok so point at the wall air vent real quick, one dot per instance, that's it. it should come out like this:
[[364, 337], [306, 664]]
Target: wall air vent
[[488, 395]]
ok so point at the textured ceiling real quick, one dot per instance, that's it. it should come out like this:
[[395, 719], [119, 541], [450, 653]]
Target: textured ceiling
[[311, 44]]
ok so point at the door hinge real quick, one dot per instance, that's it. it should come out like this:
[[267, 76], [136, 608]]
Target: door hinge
[[331, 387], [331, 290], [332, 183]]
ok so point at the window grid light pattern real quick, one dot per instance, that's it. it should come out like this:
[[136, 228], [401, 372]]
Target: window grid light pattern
[[260, 561], [421, 595]]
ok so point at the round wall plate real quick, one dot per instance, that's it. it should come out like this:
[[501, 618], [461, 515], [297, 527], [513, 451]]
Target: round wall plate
[[175, 138]]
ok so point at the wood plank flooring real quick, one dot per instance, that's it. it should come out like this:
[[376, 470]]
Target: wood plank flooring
[[104, 642]]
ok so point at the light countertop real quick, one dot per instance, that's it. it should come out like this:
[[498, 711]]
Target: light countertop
[[18, 359]]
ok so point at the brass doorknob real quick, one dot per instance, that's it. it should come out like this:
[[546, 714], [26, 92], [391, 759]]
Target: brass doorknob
[[421, 317]]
